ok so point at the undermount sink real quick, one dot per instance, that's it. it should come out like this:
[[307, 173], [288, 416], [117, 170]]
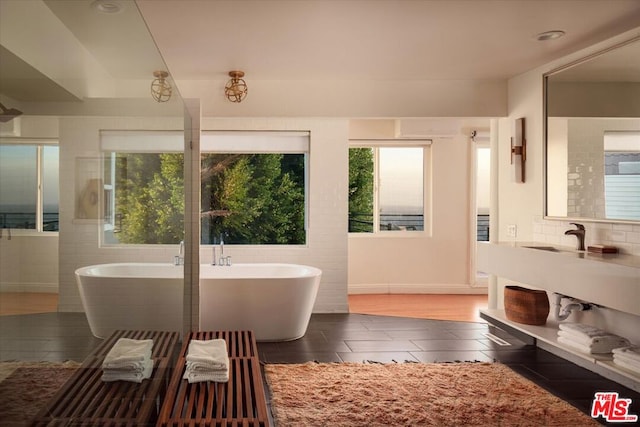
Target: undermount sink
[[543, 248]]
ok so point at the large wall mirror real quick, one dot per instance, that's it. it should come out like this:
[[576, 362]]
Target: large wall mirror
[[592, 120]]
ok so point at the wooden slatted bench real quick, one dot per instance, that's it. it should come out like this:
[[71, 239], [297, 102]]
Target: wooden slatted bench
[[239, 402], [88, 401]]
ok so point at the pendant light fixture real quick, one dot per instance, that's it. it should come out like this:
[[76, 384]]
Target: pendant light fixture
[[160, 88], [236, 88]]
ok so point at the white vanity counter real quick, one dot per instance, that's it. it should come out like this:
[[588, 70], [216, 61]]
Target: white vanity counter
[[611, 280]]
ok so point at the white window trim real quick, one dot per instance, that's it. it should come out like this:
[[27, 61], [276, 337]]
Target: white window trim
[[39, 143], [427, 193], [164, 141]]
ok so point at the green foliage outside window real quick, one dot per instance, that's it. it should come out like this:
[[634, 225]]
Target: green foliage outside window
[[149, 198], [361, 190], [248, 198], [253, 198]]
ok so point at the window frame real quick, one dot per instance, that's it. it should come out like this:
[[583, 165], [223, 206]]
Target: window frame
[[209, 145], [39, 144], [375, 145], [164, 141]]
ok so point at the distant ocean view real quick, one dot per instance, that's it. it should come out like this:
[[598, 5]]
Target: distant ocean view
[[391, 218], [24, 217]]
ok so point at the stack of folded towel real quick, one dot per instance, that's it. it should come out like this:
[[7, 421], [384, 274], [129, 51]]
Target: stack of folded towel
[[207, 360], [628, 357], [128, 360], [589, 339]]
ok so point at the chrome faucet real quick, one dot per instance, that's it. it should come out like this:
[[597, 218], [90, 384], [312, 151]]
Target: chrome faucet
[[224, 260], [579, 233], [179, 259]]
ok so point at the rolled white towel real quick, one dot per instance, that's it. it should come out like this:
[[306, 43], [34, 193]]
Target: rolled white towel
[[212, 353], [627, 365], [632, 352], [127, 351], [610, 341], [131, 376]]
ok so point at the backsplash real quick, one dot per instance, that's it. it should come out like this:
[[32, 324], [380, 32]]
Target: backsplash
[[626, 237]]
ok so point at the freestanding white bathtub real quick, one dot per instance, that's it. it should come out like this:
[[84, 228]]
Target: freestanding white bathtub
[[144, 296], [273, 300]]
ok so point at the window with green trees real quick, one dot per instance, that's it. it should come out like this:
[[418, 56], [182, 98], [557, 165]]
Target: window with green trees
[[253, 190], [361, 190], [253, 198], [387, 188]]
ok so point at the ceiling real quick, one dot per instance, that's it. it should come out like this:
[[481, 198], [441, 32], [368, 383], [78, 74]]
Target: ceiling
[[404, 41]]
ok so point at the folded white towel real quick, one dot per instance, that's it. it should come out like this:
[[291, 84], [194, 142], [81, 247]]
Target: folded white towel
[[220, 376], [595, 348], [207, 360], [109, 375], [205, 367], [127, 367], [575, 345], [212, 353], [625, 359], [127, 351], [586, 331], [610, 341], [632, 352], [627, 365]]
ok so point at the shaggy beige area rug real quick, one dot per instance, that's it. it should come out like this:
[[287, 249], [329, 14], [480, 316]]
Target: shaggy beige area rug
[[26, 386], [413, 394]]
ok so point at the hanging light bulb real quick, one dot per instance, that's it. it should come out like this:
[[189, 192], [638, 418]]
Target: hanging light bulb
[[236, 88], [160, 88]]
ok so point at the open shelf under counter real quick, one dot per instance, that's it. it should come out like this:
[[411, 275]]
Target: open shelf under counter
[[546, 337]]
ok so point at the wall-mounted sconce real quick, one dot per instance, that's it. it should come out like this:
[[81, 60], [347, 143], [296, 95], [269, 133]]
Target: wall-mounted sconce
[[519, 150], [160, 88], [236, 88]]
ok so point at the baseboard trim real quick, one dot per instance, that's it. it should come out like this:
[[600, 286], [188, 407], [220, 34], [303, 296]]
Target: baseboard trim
[[47, 288], [421, 288]]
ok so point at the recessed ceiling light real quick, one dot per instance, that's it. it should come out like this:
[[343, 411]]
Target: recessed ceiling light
[[106, 6], [549, 35]]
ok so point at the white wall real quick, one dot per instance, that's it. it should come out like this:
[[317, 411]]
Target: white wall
[[327, 233], [412, 264], [522, 204], [28, 262], [354, 98], [422, 263], [79, 243], [327, 244]]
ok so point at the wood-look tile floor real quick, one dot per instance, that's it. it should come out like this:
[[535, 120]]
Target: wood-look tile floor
[[27, 303], [420, 306], [345, 337]]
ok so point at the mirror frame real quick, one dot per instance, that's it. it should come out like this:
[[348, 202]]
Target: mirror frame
[[545, 79]]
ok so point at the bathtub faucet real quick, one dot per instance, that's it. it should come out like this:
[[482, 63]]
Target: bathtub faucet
[[179, 259], [224, 260]]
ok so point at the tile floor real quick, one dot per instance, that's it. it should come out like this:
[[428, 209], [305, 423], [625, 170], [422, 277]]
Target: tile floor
[[344, 337]]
